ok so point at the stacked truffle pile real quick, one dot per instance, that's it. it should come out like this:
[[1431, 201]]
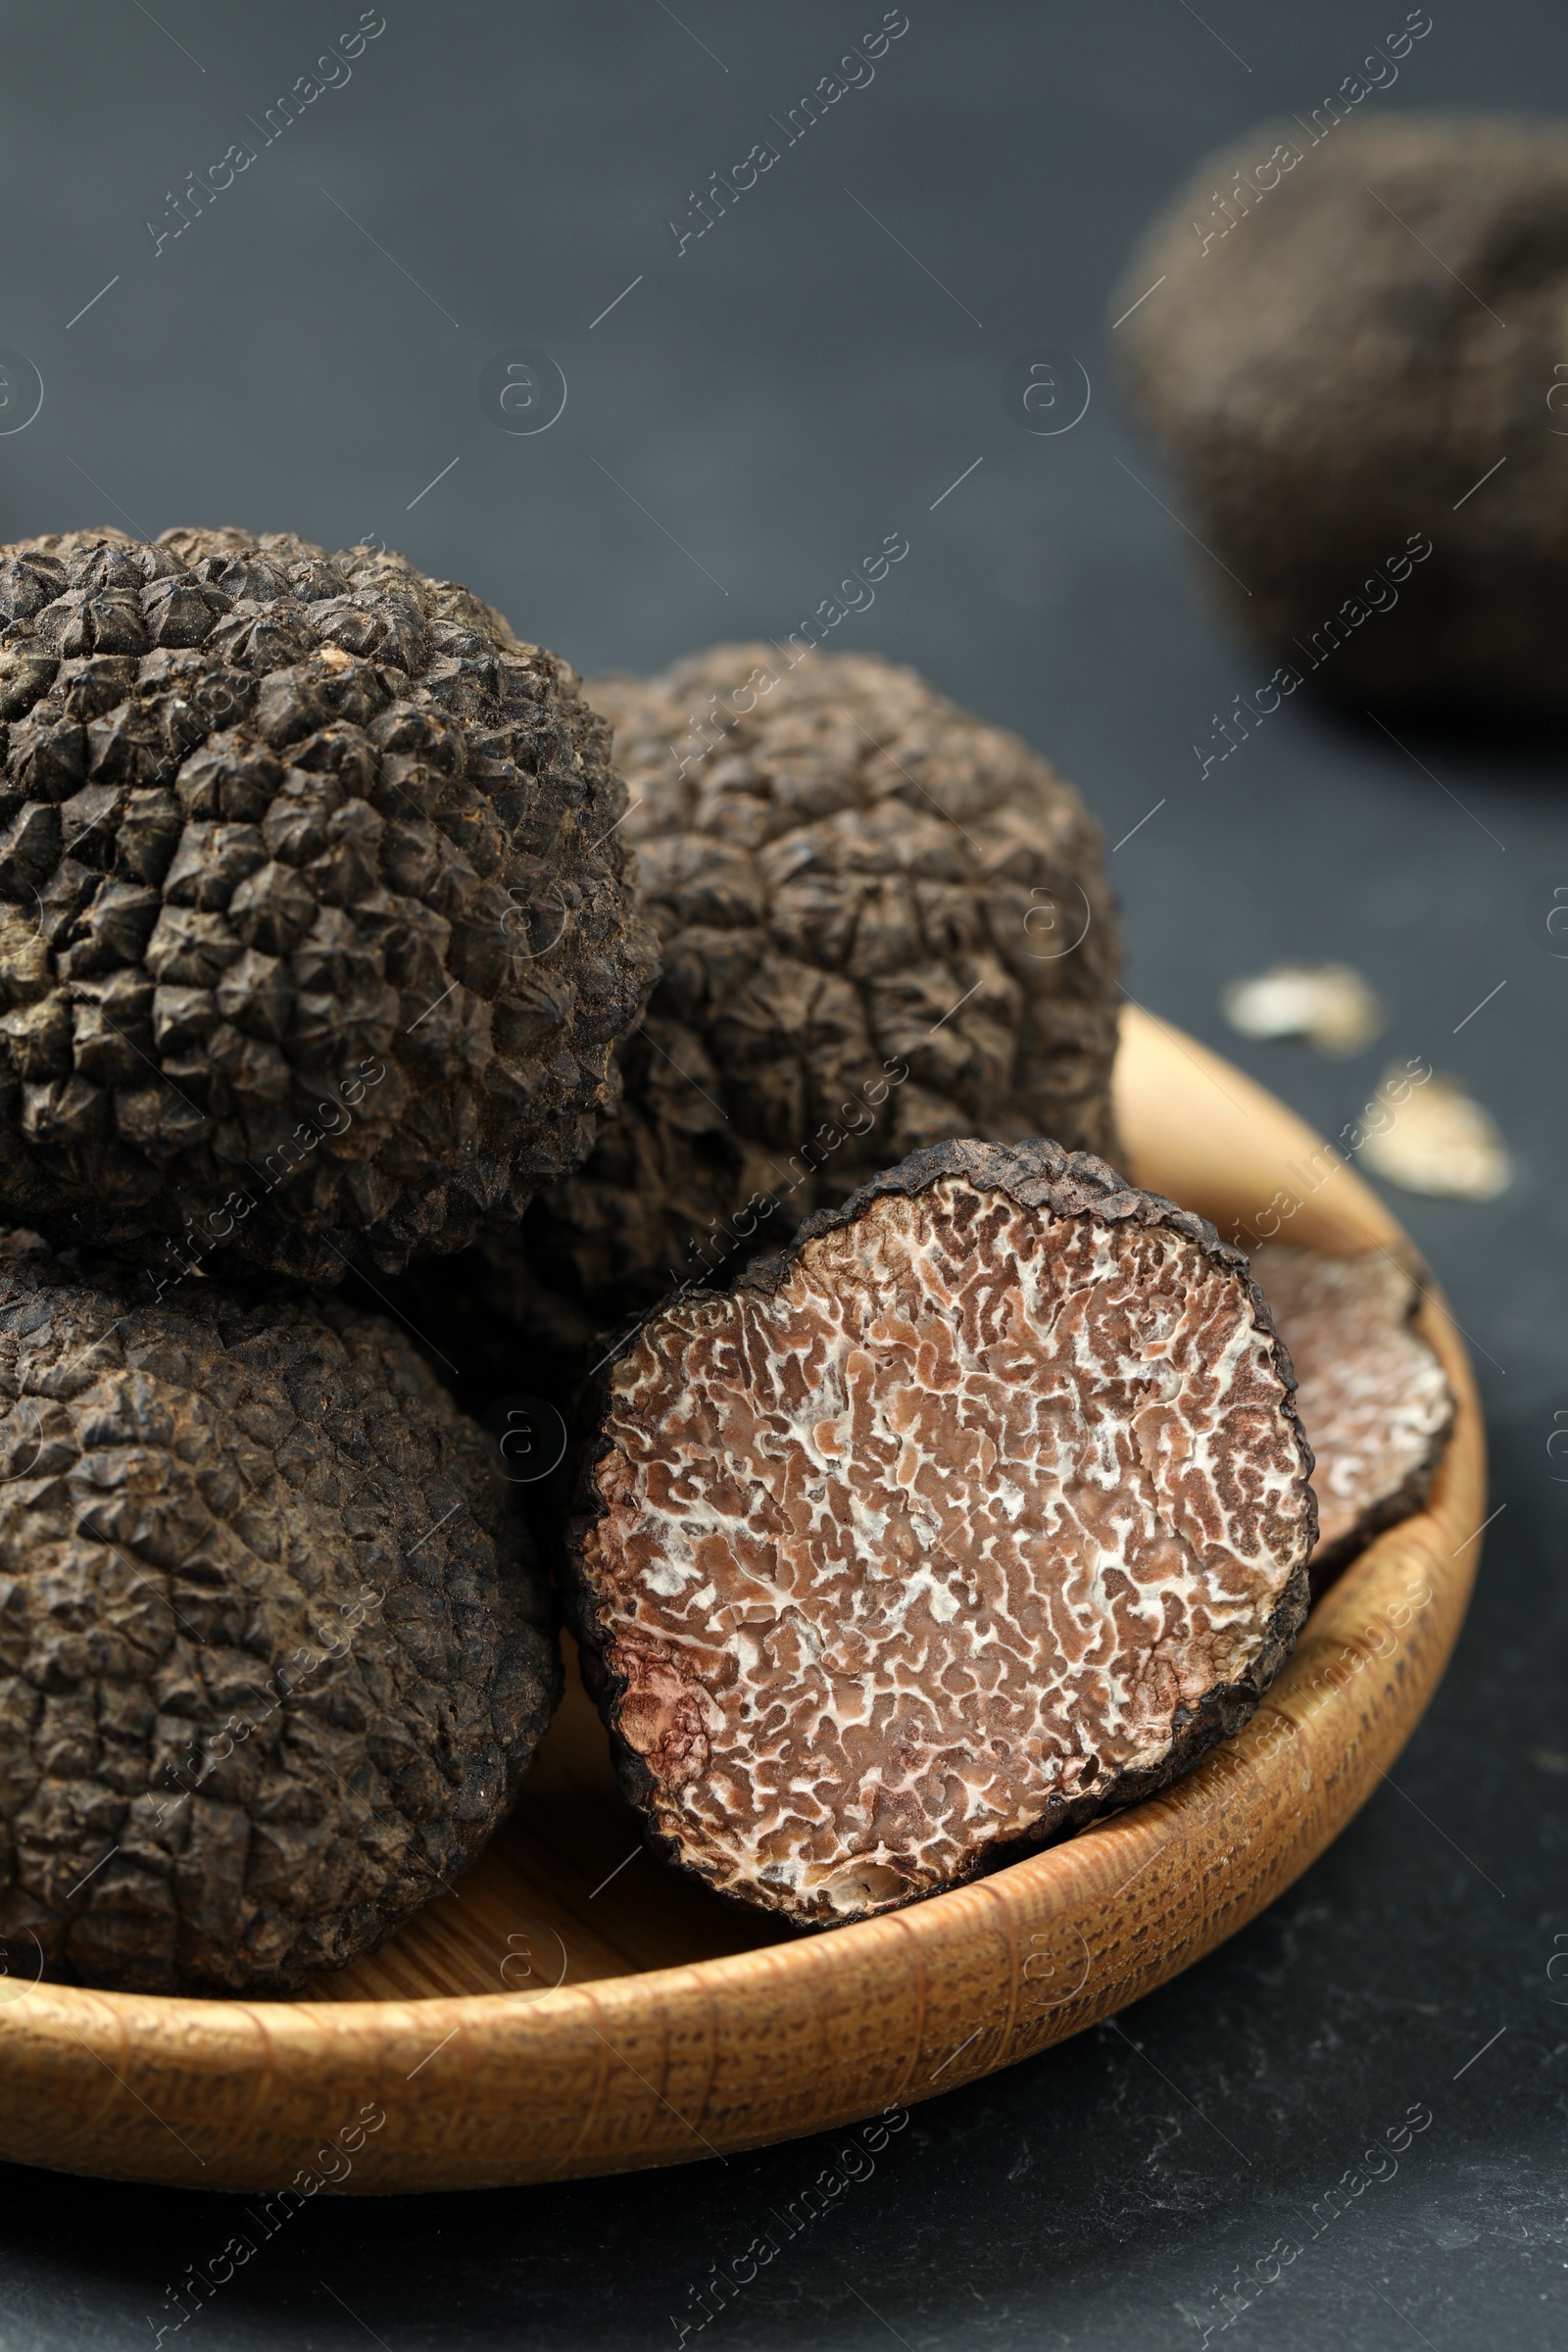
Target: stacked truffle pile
[[981, 1506], [278, 825]]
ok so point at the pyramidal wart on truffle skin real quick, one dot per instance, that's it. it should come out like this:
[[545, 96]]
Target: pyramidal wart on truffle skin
[[274, 1646], [981, 1508], [316, 929], [882, 921]]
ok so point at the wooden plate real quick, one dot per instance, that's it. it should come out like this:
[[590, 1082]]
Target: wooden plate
[[574, 2008]]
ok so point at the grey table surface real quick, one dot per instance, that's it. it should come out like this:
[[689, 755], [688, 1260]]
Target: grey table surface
[[747, 414]]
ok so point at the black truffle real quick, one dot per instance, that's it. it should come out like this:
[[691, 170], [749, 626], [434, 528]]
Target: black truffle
[[274, 1647], [883, 922], [315, 923], [1373, 1397], [981, 1508], [1354, 364]]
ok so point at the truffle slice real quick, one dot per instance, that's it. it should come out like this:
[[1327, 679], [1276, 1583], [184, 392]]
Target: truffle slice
[[981, 1508], [883, 923], [1374, 1399], [275, 1650], [317, 921]]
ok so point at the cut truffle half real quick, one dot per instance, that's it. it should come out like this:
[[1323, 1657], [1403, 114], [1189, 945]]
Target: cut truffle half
[[275, 1649], [317, 921], [1374, 1399], [981, 1508]]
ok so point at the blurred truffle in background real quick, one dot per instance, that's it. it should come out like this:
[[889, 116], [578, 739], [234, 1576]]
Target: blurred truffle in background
[[1355, 365]]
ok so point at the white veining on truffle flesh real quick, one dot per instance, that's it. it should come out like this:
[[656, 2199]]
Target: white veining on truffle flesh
[[1374, 1399], [963, 1523]]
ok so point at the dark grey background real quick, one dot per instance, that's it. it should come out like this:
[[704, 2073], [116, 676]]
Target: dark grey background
[[777, 398]]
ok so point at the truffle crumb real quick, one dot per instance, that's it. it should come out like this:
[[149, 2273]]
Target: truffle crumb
[[1328, 1003], [1437, 1140], [981, 1508]]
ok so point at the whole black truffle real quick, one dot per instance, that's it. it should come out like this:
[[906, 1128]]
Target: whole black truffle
[[979, 1509], [1355, 366], [883, 922], [315, 924], [273, 1646]]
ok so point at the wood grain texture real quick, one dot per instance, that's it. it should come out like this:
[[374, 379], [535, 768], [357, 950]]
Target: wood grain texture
[[572, 2008]]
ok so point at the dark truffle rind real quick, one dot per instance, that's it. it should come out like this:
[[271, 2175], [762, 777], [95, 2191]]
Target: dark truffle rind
[[274, 1648], [673, 1697], [883, 922], [1371, 1391], [1333, 397], [317, 925]]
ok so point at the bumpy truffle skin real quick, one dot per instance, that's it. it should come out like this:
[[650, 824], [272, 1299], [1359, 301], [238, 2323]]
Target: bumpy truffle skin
[[979, 1509], [1374, 1399], [1328, 390], [883, 922], [275, 1650], [316, 926]]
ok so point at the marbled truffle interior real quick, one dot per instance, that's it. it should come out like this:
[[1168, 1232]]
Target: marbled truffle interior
[[950, 1539], [1374, 1399]]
